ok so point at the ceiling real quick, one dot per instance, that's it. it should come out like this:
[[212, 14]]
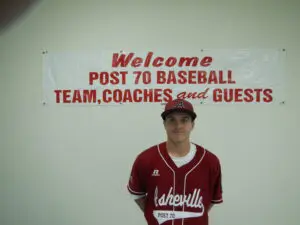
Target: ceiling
[[11, 11]]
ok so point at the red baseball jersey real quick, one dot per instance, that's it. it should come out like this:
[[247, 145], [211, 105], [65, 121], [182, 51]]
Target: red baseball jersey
[[176, 195]]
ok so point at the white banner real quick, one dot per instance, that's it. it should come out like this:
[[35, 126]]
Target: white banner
[[200, 76]]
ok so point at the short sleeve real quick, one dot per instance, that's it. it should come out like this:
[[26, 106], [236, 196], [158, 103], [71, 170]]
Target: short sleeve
[[136, 184], [217, 185]]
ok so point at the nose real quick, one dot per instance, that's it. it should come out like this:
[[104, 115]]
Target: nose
[[178, 124]]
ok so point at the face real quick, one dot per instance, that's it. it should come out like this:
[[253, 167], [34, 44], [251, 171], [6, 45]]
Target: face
[[178, 127]]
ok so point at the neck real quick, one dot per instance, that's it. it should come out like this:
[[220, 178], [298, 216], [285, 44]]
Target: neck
[[178, 149]]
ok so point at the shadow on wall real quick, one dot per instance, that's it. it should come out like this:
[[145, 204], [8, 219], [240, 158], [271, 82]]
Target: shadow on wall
[[13, 10]]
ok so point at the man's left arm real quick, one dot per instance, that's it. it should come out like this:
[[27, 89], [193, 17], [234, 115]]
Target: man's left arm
[[217, 197]]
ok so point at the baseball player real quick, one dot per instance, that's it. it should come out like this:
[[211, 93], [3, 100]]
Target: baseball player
[[176, 182]]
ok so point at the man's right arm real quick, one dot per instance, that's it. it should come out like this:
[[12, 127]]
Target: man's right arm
[[136, 184], [141, 203]]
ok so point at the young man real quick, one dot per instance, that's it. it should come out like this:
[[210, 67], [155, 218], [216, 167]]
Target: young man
[[176, 182]]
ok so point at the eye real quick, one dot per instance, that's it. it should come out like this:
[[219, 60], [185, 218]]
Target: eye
[[170, 119], [186, 119]]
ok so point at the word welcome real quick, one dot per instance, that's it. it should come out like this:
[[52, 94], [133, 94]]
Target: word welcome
[[124, 60]]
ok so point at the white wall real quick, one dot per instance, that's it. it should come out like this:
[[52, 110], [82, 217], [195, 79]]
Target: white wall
[[67, 166]]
